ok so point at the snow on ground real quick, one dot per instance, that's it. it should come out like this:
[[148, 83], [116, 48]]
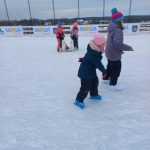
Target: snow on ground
[[38, 87]]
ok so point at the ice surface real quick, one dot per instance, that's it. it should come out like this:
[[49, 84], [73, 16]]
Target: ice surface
[[38, 87]]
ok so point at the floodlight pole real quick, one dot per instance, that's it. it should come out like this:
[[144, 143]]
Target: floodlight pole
[[7, 11], [130, 9], [78, 9], [53, 8], [103, 10], [30, 11]]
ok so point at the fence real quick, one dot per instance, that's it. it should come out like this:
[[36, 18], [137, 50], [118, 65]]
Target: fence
[[145, 27], [84, 30]]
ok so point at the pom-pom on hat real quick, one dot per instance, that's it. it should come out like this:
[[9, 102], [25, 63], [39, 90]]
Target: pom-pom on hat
[[99, 39], [116, 15], [114, 10]]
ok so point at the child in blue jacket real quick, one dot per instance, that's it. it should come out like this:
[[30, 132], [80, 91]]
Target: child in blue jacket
[[87, 70]]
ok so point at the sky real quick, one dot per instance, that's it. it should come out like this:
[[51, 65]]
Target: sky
[[43, 9]]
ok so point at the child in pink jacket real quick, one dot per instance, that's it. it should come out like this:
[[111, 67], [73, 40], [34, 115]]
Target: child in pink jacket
[[74, 35]]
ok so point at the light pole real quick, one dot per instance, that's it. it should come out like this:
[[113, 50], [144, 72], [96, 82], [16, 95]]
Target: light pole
[[78, 10], [7, 11], [30, 11], [103, 10], [53, 8], [130, 9]]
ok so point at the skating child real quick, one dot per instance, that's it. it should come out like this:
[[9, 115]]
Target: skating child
[[74, 35], [115, 47], [87, 70], [59, 36]]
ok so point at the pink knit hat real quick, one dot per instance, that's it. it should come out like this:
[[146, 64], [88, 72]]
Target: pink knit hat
[[99, 39], [75, 24]]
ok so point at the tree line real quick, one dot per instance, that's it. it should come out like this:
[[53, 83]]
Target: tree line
[[70, 21]]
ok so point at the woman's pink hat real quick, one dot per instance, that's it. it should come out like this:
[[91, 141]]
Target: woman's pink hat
[[99, 39]]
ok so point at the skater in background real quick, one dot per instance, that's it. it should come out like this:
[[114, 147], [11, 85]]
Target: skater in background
[[59, 36], [74, 35], [87, 70], [115, 47]]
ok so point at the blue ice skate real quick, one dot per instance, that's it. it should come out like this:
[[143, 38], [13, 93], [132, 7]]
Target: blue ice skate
[[79, 104], [97, 97]]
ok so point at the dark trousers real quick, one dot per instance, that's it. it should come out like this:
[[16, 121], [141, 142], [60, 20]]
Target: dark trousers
[[75, 42], [86, 86], [113, 71], [61, 38]]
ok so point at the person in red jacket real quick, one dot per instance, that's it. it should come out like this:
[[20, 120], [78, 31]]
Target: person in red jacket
[[59, 36]]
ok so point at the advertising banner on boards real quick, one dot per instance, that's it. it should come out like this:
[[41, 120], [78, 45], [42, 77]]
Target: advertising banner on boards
[[131, 28], [88, 29], [42, 30], [11, 31]]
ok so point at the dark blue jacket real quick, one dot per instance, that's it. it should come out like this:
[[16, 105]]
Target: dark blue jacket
[[91, 62]]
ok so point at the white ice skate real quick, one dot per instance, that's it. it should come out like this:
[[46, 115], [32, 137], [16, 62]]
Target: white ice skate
[[105, 81], [115, 88], [72, 48]]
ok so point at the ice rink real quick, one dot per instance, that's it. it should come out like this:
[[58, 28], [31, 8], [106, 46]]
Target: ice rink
[[38, 87]]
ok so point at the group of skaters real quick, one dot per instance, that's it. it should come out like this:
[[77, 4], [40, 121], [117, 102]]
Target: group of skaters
[[113, 48], [61, 45]]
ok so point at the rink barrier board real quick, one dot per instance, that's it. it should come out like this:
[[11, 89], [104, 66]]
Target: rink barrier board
[[84, 30], [69, 51]]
